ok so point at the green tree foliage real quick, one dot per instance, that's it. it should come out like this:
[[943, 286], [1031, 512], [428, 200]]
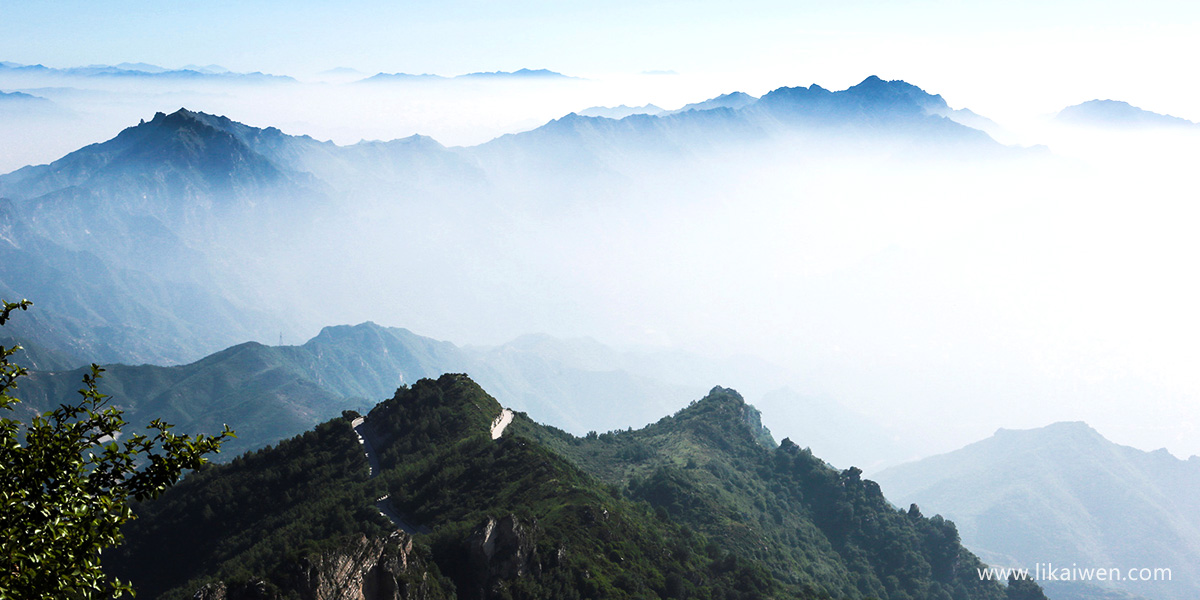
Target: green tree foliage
[[817, 530], [1020, 588], [66, 482], [247, 517], [692, 507]]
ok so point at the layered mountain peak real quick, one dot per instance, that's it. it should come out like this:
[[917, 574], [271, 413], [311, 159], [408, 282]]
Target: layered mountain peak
[[897, 93], [337, 333], [1074, 430], [873, 101], [176, 152], [718, 399], [724, 417], [180, 116], [445, 410]]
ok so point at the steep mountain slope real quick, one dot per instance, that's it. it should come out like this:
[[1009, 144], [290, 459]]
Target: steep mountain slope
[[136, 249], [700, 505], [308, 497], [821, 531], [1064, 495], [165, 157], [264, 393]]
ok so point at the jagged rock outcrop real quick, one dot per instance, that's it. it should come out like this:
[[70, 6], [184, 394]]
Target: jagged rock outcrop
[[753, 419], [500, 550], [360, 569]]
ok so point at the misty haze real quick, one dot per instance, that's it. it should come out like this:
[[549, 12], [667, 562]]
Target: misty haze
[[977, 293]]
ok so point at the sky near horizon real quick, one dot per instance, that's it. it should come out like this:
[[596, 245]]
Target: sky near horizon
[[991, 56]]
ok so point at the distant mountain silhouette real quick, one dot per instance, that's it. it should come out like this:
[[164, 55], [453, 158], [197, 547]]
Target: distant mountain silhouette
[[139, 66], [1063, 494], [209, 69], [1114, 113], [874, 102], [395, 77], [140, 71], [21, 101], [518, 74], [734, 100], [620, 112]]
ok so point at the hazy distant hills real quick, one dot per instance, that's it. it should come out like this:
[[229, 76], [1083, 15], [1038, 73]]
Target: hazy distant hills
[[145, 228], [1063, 494], [270, 392], [493, 75], [9, 99], [15, 71], [787, 125], [734, 100], [619, 112], [191, 232], [1115, 113], [20, 104]]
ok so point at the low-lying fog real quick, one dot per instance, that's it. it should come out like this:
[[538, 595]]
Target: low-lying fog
[[941, 297]]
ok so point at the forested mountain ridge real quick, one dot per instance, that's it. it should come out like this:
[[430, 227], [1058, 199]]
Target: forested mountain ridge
[[699, 505], [709, 467], [269, 393]]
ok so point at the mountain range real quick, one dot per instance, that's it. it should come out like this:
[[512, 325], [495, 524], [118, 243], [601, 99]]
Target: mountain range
[[19, 72], [188, 233], [269, 393], [1064, 494], [701, 504], [15, 98], [1115, 113], [733, 100], [518, 74]]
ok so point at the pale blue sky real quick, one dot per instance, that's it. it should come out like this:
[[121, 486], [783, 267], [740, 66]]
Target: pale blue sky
[[988, 56], [470, 35]]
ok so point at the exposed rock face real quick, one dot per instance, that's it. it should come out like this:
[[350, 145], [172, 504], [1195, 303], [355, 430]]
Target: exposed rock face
[[753, 419], [501, 550], [361, 569]]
